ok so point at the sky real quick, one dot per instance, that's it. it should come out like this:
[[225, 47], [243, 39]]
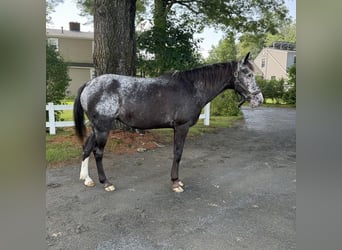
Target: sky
[[68, 12]]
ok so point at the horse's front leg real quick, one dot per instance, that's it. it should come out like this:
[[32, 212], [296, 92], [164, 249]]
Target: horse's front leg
[[180, 133]]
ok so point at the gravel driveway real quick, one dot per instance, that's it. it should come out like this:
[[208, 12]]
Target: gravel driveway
[[240, 193]]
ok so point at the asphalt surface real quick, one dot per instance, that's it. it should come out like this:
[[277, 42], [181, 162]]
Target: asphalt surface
[[240, 193]]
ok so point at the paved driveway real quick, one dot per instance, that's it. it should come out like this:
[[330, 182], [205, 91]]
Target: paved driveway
[[240, 194]]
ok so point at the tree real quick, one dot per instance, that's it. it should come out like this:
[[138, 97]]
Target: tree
[[87, 7], [114, 40], [50, 6], [241, 15], [249, 42], [290, 95], [114, 37], [287, 33], [176, 44], [250, 16], [254, 43], [224, 51], [57, 78]]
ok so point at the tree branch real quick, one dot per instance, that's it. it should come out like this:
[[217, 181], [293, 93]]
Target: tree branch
[[187, 4]]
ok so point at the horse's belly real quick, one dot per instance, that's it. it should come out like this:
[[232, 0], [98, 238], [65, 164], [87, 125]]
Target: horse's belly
[[159, 118], [146, 121]]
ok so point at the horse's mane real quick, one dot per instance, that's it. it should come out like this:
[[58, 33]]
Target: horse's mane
[[207, 75]]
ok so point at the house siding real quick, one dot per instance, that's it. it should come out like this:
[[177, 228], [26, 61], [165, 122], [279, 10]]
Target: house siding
[[78, 76], [273, 63], [76, 48]]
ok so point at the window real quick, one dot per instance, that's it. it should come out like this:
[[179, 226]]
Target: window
[[92, 73], [263, 62], [53, 42], [294, 59]]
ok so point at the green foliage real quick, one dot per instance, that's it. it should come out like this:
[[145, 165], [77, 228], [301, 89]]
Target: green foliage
[[255, 42], [87, 8], [244, 16], [272, 89], [287, 33], [172, 49], [290, 95], [225, 104], [224, 51], [249, 42], [50, 6], [57, 78]]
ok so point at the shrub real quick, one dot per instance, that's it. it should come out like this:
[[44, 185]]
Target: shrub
[[271, 89], [225, 104], [57, 78], [290, 95]]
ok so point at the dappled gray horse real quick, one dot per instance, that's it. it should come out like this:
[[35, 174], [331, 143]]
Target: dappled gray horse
[[169, 101]]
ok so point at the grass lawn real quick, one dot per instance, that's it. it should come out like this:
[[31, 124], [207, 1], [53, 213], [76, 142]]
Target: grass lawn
[[271, 103], [67, 115]]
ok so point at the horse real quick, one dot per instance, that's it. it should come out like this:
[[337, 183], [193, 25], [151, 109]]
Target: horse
[[173, 100]]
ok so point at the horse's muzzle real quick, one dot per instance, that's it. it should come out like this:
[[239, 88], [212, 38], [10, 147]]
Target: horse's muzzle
[[255, 98]]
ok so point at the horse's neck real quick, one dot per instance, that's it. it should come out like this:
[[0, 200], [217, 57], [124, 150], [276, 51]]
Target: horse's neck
[[208, 93], [211, 94]]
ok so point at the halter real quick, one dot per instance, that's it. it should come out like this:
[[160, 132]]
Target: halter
[[239, 86]]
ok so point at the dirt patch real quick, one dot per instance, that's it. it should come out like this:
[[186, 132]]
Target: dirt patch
[[122, 142], [119, 142]]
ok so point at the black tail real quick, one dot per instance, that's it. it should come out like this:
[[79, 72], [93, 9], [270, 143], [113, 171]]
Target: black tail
[[80, 128]]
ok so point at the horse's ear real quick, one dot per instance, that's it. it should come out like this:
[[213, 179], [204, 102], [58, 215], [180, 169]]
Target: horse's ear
[[246, 58]]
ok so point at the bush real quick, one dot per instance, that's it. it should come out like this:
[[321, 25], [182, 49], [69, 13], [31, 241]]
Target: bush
[[271, 89], [57, 78], [225, 104], [290, 95]]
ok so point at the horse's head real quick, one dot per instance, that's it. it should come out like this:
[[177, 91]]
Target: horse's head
[[245, 84]]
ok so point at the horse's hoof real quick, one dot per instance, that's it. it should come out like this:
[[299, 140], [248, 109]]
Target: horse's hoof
[[89, 183], [177, 189], [109, 187], [177, 186]]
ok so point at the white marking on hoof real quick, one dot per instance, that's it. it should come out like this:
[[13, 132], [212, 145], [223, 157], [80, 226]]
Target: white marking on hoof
[[89, 182], [109, 188], [177, 189], [177, 186]]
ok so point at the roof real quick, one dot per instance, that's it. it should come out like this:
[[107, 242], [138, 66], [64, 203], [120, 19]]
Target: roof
[[69, 34], [283, 45]]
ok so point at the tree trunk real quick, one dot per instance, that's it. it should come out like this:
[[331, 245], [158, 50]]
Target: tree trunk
[[160, 25], [114, 40], [114, 37]]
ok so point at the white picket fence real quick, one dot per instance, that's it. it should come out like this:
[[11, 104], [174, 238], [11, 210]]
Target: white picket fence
[[52, 124]]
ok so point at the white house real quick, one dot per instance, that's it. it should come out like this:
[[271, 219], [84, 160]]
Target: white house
[[273, 62]]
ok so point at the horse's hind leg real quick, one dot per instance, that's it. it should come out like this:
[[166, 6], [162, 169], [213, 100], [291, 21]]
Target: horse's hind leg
[[101, 139], [87, 149]]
